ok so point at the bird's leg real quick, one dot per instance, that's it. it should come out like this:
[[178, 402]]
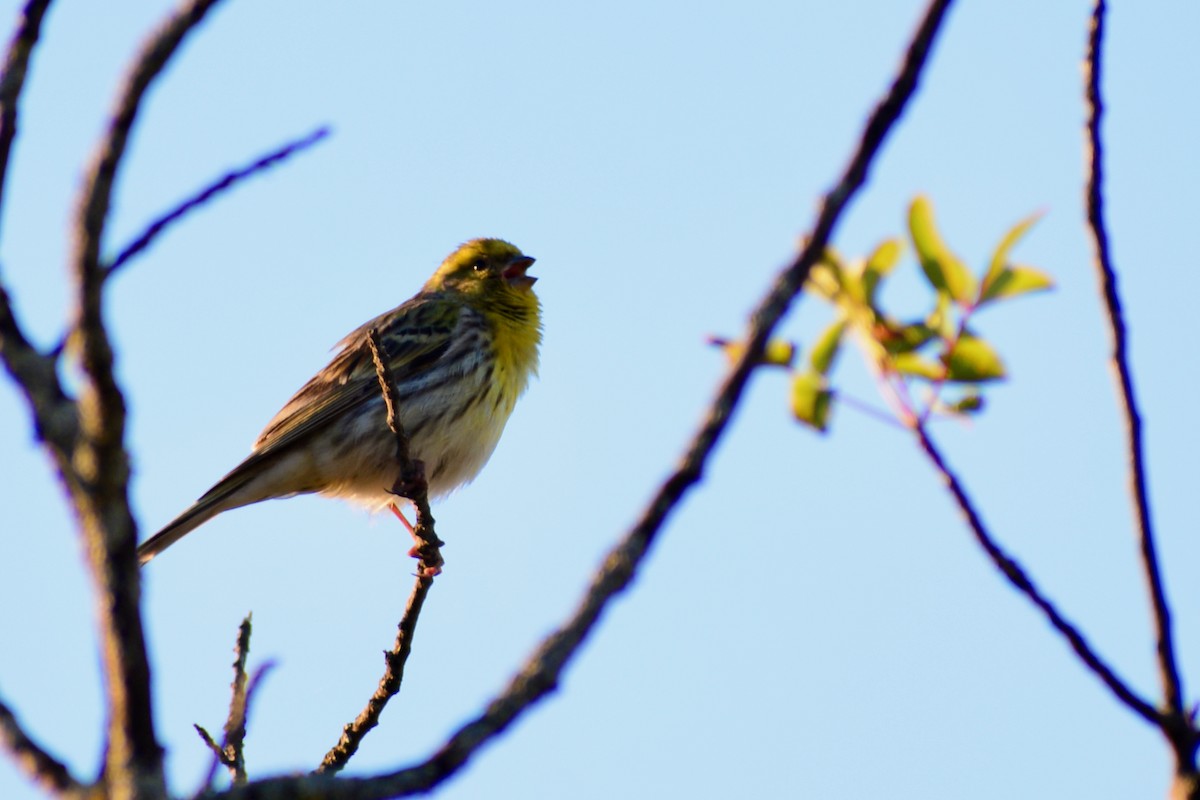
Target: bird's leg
[[417, 550], [411, 486], [400, 516]]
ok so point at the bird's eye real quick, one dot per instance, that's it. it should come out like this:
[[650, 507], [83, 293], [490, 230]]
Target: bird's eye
[[479, 266]]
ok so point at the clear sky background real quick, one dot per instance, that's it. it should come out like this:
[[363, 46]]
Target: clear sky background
[[815, 621]]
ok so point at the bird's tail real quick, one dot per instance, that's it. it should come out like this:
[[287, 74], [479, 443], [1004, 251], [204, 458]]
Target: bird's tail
[[238, 488], [199, 513]]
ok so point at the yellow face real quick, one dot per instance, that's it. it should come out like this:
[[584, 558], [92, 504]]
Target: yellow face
[[484, 268]]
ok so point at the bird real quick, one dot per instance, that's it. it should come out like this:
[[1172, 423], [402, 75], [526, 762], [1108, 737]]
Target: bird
[[461, 352]]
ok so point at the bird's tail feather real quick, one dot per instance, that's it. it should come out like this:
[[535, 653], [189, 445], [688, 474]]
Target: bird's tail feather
[[236, 489], [199, 513]]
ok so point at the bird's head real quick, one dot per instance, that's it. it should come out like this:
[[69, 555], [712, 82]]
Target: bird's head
[[486, 271]]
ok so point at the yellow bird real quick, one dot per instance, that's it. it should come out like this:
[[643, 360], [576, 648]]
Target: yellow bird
[[461, 352]]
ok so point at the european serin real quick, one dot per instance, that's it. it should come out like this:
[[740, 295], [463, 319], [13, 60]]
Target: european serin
[[461, 352]]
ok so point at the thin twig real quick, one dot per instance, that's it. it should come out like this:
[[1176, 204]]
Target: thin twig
[[541, 672], [1172, 683], [867, 409], [1017, 576], [389, 684], [227, 755], [231, 752], [100, 491], [1178, 725], [219, 757], [256, 679], [411, 485], [41, 767], [235, 725], [222, 184]]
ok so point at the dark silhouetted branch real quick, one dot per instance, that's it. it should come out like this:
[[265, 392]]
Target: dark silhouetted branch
[[1178, 726], [55, 418], [1017, 576], [1120, 362], [389, 684], [217, 187], [12, 82], [41, 767], [410, 484]]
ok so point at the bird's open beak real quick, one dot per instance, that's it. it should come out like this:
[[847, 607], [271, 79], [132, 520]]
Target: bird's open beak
[[514, 273]]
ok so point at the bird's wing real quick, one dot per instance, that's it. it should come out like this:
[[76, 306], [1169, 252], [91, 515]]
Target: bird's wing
[[413, 336]]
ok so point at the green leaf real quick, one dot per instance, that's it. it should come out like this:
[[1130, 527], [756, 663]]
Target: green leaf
[[1000, 257], [897, 338], [825, 279], [917, 366], [885, 256], [826, 349], [779, 352], [1013, 281], [852, 284], [972, 360], [940, 321], [812, 400], [879, 265], [833, 258], [971, 403], [945, 271]]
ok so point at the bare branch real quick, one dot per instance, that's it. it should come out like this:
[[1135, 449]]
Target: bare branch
[[1177, 724], [54, 415], [100, 489], [541, 672], [389, 684], [231, 753], [219, 757], [41, 767], [235, 725], [225, 182], [411, 485], [1019, 579], [16, 65], [1172, 684]]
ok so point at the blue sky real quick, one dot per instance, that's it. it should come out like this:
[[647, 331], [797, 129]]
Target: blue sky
[[815, 621]]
